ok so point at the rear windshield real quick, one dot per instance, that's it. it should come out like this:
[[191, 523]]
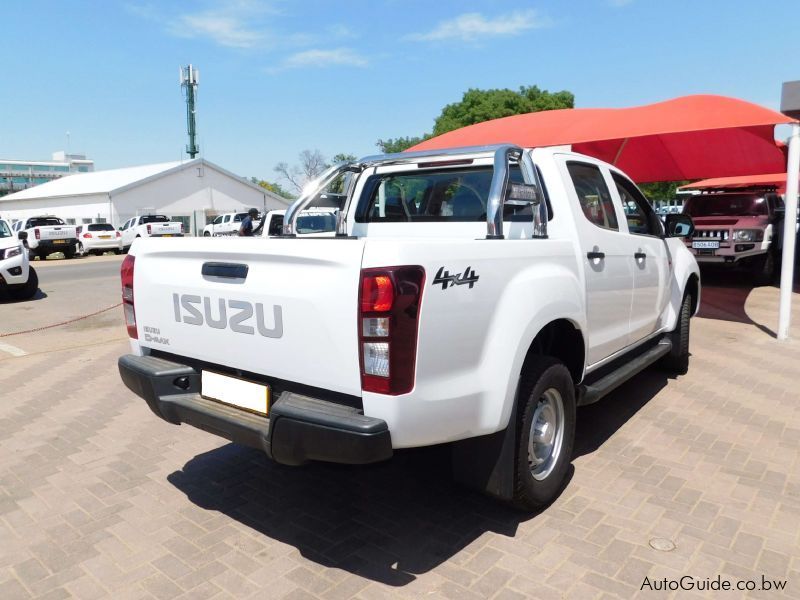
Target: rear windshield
[[45, 221], [726, 205], [100, 227], [441, 195], [315, 223], [155, 219], [4, 230]]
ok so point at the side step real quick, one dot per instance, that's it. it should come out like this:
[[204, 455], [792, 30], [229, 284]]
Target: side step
[[589, 394]]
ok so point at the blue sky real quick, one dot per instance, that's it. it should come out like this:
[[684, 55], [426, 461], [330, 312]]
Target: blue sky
[[280, 76]]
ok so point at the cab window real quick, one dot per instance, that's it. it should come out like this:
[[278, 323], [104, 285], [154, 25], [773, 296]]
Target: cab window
[[640, 216], [593, 194]]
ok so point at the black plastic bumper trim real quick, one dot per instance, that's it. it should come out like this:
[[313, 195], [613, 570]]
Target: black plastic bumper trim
[[299, 428]]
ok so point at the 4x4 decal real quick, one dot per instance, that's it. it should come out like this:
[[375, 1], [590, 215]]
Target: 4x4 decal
[[446, 280]]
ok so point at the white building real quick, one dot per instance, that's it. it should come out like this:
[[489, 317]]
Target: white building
[[193, 192], [17, 175]]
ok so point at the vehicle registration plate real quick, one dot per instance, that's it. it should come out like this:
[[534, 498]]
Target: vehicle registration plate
[[250, 396], [59, 241], [167, 235], [105, 237], [705, 244]]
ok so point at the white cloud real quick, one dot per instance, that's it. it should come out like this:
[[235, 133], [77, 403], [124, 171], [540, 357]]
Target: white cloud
[[471, 27], [223, 29], [337, 57]]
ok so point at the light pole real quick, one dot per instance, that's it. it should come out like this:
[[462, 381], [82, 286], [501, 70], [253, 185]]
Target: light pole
[[790, 106]]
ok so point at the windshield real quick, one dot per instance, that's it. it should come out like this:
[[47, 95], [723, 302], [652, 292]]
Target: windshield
[[441, 195], [4, 230], [45, 221], [733, 205], [315, 223], [100, 227], [155, 219]]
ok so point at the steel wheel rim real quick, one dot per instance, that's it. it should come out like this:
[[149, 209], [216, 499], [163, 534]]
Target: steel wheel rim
[[546, 436]]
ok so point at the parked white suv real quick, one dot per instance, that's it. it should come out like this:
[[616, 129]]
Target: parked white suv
[[476, 296], [148, 226], [227, 224], [46, 235], [17, 277], [97, 238]]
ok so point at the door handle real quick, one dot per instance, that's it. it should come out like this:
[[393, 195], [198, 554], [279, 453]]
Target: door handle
[[595, 255], [639, 255]]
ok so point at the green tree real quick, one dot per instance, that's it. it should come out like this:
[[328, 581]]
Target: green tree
[[477, 106], [661, 190], [275, 188], [343, 157], [392, 145]]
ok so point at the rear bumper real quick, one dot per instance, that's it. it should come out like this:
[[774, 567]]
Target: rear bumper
[[299, 428], [52, 246], [156, 235]]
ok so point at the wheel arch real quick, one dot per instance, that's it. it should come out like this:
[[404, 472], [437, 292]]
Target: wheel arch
[[561, 339]]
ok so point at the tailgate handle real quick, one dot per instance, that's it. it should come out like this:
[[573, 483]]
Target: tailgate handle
[[225, 270]]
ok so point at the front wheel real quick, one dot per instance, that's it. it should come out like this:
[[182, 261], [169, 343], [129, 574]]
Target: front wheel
[[545, 433], [677, 361], [764, 269], [206, 234], [27, 290]]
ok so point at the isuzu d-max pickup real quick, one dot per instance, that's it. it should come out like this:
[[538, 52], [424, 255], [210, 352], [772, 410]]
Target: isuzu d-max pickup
[[474, 297]]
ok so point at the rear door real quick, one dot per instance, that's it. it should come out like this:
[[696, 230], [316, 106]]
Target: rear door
[[608, 264], [649, 256]]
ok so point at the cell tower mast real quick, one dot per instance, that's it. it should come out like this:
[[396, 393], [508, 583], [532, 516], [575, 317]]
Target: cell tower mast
[[190, 77]]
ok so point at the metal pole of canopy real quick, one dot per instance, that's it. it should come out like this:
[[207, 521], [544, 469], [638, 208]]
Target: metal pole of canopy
[[789, 233]]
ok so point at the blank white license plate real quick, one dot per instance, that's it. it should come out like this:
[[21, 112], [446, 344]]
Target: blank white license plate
[[705, 244], [236, 392]]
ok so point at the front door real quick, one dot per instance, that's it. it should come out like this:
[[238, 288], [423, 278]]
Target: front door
[[650, 257], [607, 262]]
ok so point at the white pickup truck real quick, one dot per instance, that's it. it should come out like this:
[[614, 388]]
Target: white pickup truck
[[46, 235], [475, 296], [148, 226], [227, 224]]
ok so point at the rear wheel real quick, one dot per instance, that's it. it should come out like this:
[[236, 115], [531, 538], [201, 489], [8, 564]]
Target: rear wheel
[[27, 290], [206, 234], [69, 252], [545, 433], [79, 249], [677, 361]]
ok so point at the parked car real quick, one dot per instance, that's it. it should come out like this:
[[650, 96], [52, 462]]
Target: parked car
[[227, 224], [320, 222], [46, 235], [473, 297], [17, 277], [742, 228], [97, 238], [146, 226]]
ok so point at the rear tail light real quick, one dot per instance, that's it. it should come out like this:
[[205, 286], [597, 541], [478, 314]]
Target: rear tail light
[[87, 235], [389, 304], [37, 234], [149, 229], [126, 275]]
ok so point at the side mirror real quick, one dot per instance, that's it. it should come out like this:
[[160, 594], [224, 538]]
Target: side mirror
[[679, 225], [22, 236]]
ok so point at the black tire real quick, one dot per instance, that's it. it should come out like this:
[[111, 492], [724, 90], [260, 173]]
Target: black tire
[[545, 383], [677, 361], [765, 269], [27, 290], [117, 251], [69, 252], [206, 234]]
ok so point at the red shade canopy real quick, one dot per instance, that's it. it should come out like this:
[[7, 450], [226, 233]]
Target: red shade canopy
[[777, 180], [691, 137]]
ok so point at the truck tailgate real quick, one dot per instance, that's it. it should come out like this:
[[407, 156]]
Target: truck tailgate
[[165, 228], [292, 314], [56, 232]]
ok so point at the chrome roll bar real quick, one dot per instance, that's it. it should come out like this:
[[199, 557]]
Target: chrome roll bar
[[499, 188]]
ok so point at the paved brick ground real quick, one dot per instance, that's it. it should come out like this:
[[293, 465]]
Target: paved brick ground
[[98, 498]]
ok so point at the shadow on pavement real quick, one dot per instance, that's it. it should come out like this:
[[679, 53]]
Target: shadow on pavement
[[387, 522], [7, 299]]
